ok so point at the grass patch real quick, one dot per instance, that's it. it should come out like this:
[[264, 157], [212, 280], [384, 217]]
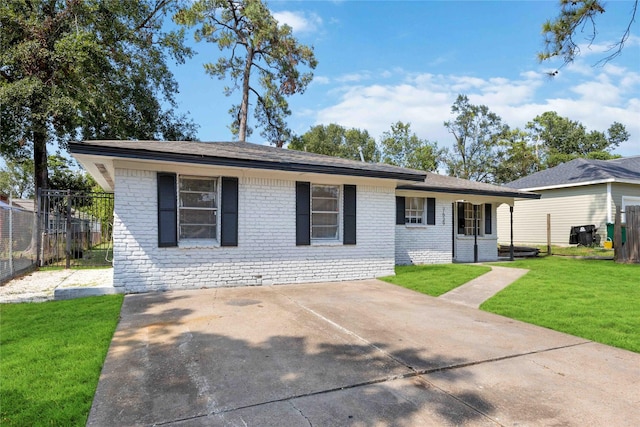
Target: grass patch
[[586, 251], [593, 299], [51, 355], [437, 279]]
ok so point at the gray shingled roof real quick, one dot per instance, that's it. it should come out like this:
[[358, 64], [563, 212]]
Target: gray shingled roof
[[582, 171], [242, 154], [448, 184]]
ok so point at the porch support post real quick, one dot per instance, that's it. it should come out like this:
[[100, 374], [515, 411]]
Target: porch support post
[[475, 233], [511, 231]]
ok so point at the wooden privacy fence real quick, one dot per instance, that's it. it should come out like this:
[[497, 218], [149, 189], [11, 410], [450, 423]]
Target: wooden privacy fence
[[628, 252]]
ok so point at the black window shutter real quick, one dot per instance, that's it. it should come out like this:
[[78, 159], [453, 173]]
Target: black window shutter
[[460, 217], [167, 210], [229, 208], [303, 213], [487, 218], [400, 210], [349, 218], [431, 211]]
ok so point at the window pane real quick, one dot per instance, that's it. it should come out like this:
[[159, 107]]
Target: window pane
[[197, 231], [324, 219], [191, 216], [414, 209], [330, 191], [470, 226], [324, 232], [325, 205], [198, 200], [198, 203], [198, 184]]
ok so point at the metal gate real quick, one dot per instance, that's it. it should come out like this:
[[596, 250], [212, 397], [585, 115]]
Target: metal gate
[[76, 228]]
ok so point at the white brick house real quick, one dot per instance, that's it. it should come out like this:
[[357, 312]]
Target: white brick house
[[459, 223], [192, 215]]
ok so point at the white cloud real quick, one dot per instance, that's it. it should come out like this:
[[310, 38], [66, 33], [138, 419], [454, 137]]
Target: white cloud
[[354, 77], [299, 22], [425, 101], [321, 80]]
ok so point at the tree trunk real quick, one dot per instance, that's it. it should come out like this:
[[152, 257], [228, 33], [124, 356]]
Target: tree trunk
[[244, 105], [41, 178]]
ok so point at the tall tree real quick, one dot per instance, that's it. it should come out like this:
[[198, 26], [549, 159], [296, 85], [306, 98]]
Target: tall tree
[[95, 69], [402, 147], [576, 16], [257, 44], [516, 158], [64, 175], [335, 140], [477, 132], [16, 178], [561, 139]]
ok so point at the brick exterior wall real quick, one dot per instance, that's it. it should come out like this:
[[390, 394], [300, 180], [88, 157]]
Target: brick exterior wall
[[426, 244], [266, 252], [431, 244]]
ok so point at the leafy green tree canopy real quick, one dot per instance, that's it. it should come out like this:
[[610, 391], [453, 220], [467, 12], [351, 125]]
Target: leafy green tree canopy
[[63, 175], [517, 157], [256, 44], [16, 178], [402, 147], [477, 132], [335, 140], [89, 69], [561, 139]]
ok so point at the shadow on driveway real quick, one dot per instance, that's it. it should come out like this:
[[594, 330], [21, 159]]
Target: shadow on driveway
[[347, 354]]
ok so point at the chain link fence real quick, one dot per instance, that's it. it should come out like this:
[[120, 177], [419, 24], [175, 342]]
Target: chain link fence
[[18, 241]]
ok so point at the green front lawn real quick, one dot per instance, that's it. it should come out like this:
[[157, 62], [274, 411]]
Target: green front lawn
[[51, 355], [594, 299], [437, 279], [580, 251]]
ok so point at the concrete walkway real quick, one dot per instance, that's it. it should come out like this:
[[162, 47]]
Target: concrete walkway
[[480, 289], [47, 285]]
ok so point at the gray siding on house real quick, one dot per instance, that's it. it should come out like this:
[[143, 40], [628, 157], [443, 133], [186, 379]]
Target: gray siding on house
[[568, 207]]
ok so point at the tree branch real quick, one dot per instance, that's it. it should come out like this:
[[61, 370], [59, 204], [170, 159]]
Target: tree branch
[[159, 6]]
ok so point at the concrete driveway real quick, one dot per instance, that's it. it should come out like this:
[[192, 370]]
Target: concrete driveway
[[363, 353]]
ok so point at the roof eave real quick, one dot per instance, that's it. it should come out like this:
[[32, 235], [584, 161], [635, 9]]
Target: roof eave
[[581, 184], [469, 191], [141, 154]]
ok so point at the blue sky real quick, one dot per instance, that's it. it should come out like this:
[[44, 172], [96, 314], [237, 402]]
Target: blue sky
[[384, 61]]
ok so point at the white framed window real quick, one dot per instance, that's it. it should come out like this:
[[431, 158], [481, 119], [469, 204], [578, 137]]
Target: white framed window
[[470, 219], [198, 207], [414, 210], [325, 212]]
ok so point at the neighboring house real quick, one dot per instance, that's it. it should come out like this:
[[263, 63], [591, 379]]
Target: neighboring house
[[25, 204], [193, 214], [576, 193]]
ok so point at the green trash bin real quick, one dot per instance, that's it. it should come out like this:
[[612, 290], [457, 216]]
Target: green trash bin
[[610, 232]]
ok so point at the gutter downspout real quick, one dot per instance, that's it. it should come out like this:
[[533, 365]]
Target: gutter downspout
[[609, 202], [475, 233], [511, 230]]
